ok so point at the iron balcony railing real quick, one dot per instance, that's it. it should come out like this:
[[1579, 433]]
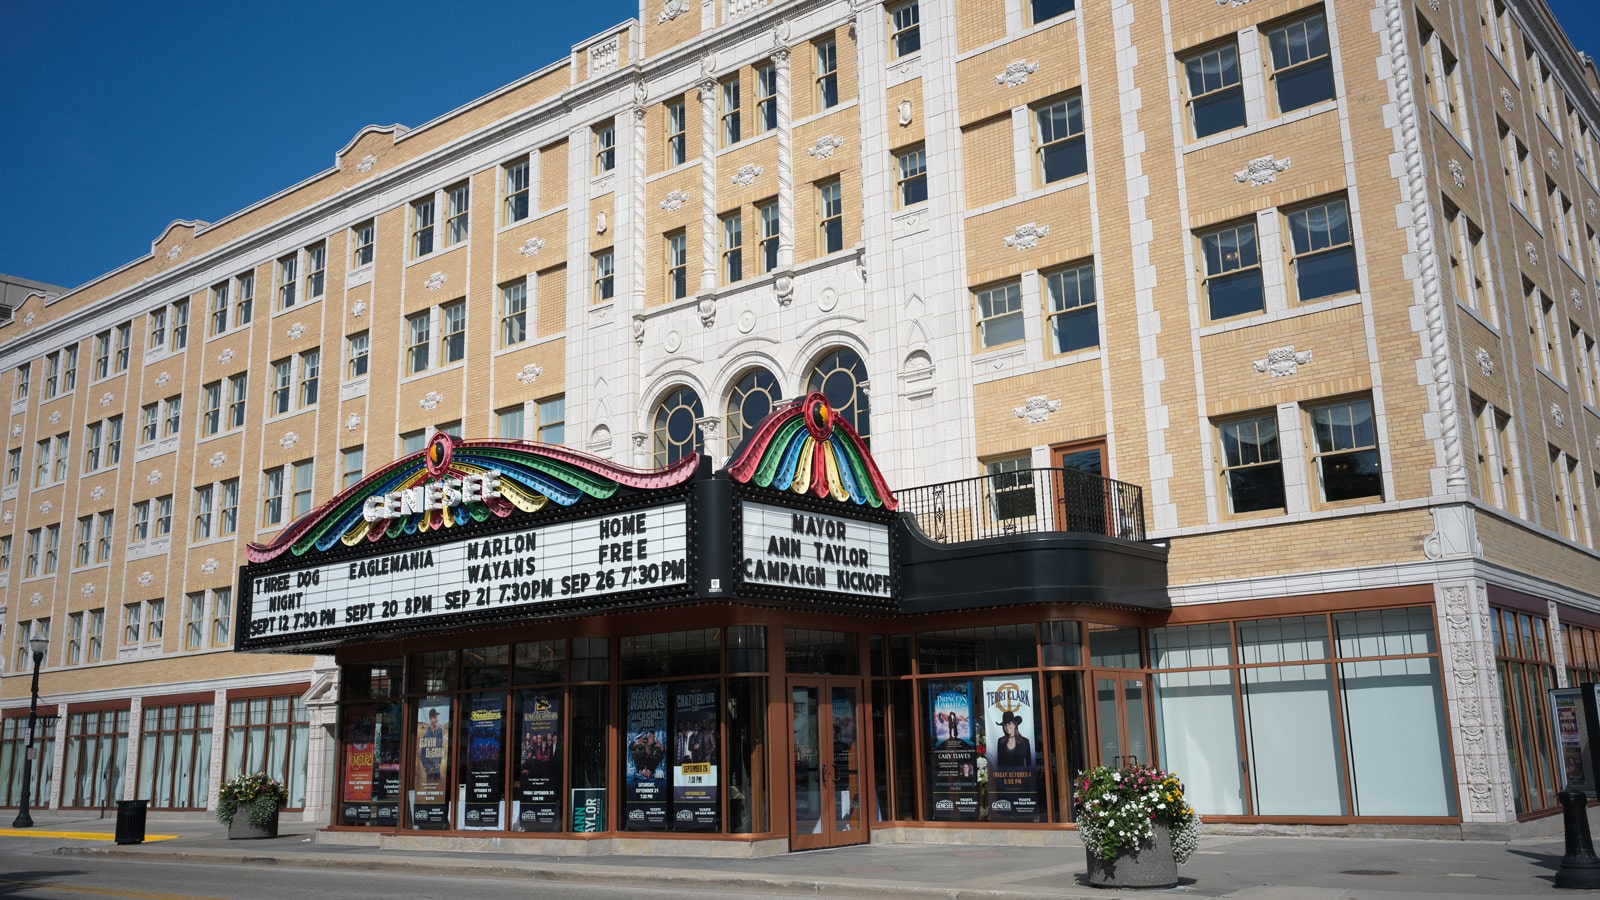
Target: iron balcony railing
[[1026, 501]]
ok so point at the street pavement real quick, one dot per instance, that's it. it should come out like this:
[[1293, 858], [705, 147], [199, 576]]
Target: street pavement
[[1243, 866]]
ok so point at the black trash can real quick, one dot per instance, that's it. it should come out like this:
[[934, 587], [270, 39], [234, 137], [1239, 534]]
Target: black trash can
[[130, 821]]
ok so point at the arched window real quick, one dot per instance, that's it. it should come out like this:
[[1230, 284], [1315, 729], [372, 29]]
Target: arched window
[[677, 427], [750, 402], [841, 376]]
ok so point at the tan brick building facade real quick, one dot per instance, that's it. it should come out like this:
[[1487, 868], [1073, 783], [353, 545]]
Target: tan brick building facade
[[1321, 277]]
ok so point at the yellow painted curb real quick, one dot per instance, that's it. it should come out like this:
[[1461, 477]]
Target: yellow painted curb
[[77, 835]]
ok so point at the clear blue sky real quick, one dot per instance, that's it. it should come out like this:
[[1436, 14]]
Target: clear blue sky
[[120, 117]]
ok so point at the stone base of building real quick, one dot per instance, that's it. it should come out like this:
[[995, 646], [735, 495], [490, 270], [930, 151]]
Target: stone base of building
[[553, 845]]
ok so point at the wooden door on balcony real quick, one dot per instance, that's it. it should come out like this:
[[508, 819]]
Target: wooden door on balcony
[[1082, 497]]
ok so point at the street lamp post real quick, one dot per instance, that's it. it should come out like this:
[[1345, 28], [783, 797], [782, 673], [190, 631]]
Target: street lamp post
[[38, 644]]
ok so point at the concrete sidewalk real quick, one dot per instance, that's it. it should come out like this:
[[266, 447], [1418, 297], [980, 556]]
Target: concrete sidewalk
[[1250, 867]]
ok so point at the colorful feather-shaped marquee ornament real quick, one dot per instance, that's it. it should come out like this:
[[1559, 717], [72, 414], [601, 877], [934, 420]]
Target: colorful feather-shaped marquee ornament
[[806, 447]]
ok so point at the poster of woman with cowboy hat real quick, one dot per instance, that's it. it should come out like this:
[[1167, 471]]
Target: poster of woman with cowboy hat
[[1013, 780]]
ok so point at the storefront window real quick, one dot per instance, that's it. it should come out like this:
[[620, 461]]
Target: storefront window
[[1583, 654], [1296, 761], [97, 748], [1522, 654], [483, 733], [1069, 742], [175, 755], [372, 742], [1197, 710], [13, 750], [747, 754], [812, 652], [271, 735], [977, 649]]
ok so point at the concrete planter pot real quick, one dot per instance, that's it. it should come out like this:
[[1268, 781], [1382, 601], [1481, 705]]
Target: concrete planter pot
[[1150, 866], [241, 829]]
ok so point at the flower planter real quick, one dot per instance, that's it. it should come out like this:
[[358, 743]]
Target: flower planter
[[1151, 865], [241, 828]]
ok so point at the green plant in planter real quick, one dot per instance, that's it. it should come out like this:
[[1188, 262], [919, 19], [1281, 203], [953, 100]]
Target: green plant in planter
[[1117, 810], [257, 794]]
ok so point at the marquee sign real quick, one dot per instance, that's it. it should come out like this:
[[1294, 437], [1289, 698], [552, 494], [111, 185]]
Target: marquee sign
[[794, 549], [437, 554]]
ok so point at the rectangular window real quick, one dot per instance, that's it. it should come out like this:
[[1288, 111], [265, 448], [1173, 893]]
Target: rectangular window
[[155, 619], [140, 529], [459, 220], [202, 512], [1346, 451], [113, 440], [52, 362], [5, 553], [272, 496], [361, 241], [149, 418], [85, 540], [1323, 253], [164, 515], [316, 270], [999, 314], [905, 29], [93, 437], [1583, 349], [238, 388], [605, 147], [422, 227], [174, 417], [1564, 492], [35, 543], [158, 341], [770, 225], [1074, 310], [1044, 10], [1469, 263], [14, 466], [1216, 97], [41, 462], [228, 509], [357, 348], [453, 332], [419, 330], [52, 547], [74, 638], [513, 313], [1233, 272], [288, 280], [677, 141], [97, 634], [827, 73], [729, 110], [1059, 140], [102, 355], [304, 480], [1546, 331], [194, 620], [105, 522], [221, 616], [516, 180], [1442, 81], [310, 377], [766, 97], [1497, 478], [911, 176], [24, 373], [219, 310], [130, 623], [282, 385], [69, 355], [211, 409], [605, 275], [1302, 69], [245, 302], [62, 461], [553, 420], [508, 422], [412, 441], [1252, 467], [830, 205], [677, 265], [732, 248], [1498, 32], [1518, 171], [1010, 488], [352, 467]]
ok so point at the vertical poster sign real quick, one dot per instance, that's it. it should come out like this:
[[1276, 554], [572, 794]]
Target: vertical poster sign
[[430, 799], [1008, 722], [1571, 722], [953, 751], [588, 810], [645, 758], [485, 736], [360, 725], [539, 762], [388, 742], [695, 799]]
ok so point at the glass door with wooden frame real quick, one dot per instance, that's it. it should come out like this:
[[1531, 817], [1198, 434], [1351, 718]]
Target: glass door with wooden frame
[[828, 758], [1082, 500]]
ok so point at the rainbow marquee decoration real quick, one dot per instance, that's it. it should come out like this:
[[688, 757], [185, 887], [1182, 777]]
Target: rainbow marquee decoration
[[804, 446], [477, 479]]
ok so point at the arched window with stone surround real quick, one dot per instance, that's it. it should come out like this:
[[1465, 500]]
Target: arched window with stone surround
[[752, 398], [841, 376], [676, 432]]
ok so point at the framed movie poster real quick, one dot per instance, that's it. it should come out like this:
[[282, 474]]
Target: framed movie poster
[[695, 757], [388, 744], [536, 802], [483, 784], [644, 758], [430, 794], [1011, 759], [360, 728], [952, 751]]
